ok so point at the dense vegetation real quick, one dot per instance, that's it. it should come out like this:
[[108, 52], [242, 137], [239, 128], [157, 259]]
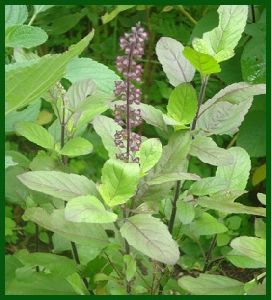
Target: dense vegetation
[[135, 160]]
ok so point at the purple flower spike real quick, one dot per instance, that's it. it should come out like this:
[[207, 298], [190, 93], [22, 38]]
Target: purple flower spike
[[133, 45]]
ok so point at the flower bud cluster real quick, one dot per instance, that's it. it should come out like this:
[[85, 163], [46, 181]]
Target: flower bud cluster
[[125, 115]]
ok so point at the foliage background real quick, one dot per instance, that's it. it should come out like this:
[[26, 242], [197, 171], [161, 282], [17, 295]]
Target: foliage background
[[67, 24]]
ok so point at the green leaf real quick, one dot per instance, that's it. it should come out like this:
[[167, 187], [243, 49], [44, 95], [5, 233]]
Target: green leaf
[[173, 160], [53, 263], [224, 113], [24, 36], [205, 224], [119, 181], [182, 105], [107, 17], [240, 260], [9, 226], [262, 198], [78, 92], [185, 212], [86, 68], [88, 209], [252, 247], [77, 283], [149, 154], [205, 149], [208, 186], [251, 137], [151, 237], [231, 208], [237, 173], [36, 134], [130, 263], [76, 147], [204, 63], [29, 114], [58, 184], [45, 284], [41, 8], [92, 235], [106, 127], [168, 177], [176, 67], [253, 59], [221, 41], [9, 161], [15, 14], [25, 83], [260, 228], [153, 116], [207, 284]]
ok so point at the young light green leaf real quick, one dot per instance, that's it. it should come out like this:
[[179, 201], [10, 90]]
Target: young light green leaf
[[130, 263], [205, 224], [76, 147], [151, 237], [90, 234], [168, 177], [58, 184], [78, 92], [149, 154], [207, 284], [252, 247], [221, 41], [119, 181], [15, 14], [262, 198], [208, 152], [176, 67], [182, 105], [86, 68], [41, 73], [231, 208], [204, 63], [185, 212], [24, 36], [106, 127], [237, 173], [88, 209], [36, 134]]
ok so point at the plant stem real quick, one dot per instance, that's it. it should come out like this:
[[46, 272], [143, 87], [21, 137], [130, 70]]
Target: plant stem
[[37, 243], [177, 191], [253, 13], [209, 254], [32, 19], [201, 96], [174, 207], [187, 15], [64, 161]]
